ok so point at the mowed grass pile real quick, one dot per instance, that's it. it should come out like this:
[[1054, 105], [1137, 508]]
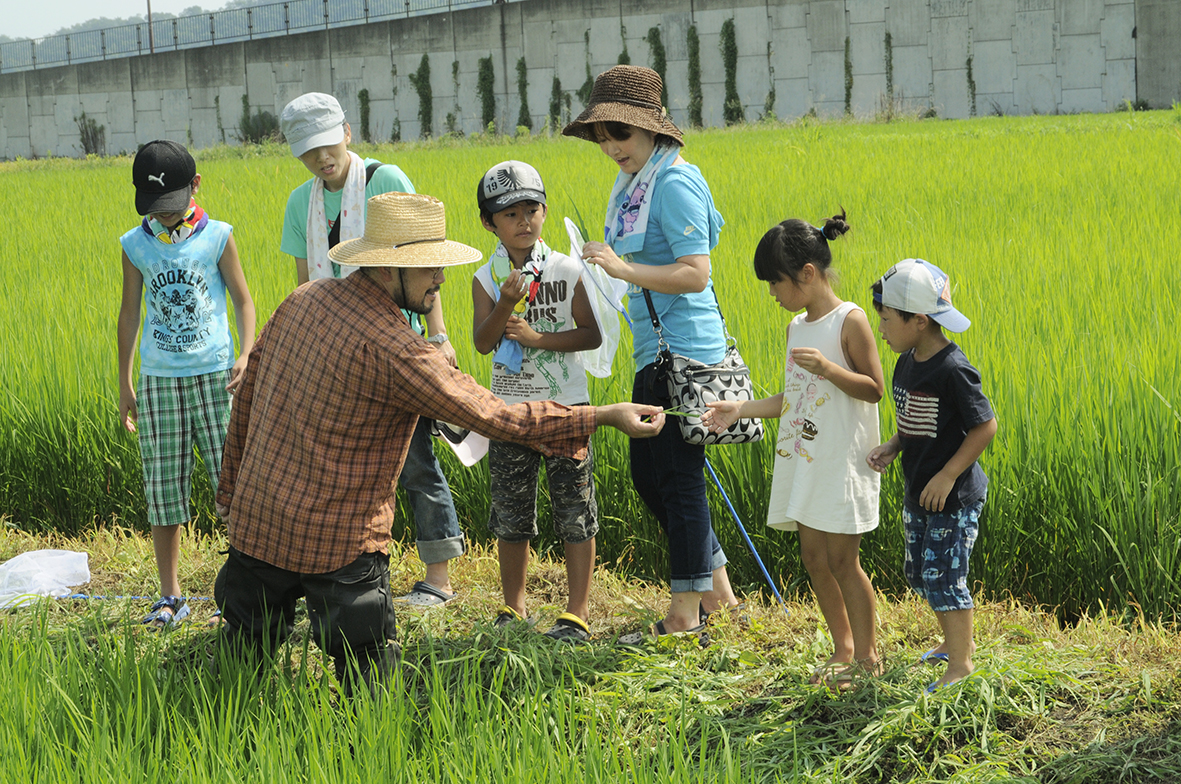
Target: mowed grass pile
[[92, 696], [1058, 234]]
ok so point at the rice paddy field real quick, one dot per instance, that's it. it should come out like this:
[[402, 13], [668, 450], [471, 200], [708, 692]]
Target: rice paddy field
[[1059, 234]]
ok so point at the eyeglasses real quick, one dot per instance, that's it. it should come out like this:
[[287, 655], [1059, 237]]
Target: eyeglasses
[[435, 272]]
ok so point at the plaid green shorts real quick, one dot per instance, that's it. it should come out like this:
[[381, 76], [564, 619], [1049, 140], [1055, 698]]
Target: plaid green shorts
[[176, 414]]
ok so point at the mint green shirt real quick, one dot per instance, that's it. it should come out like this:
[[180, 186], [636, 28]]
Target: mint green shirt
[[387, 178]]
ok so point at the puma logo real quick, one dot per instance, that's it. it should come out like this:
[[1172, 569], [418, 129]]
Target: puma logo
[[159, 179]]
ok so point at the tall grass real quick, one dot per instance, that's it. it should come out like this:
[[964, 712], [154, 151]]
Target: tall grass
[[1057, 233]]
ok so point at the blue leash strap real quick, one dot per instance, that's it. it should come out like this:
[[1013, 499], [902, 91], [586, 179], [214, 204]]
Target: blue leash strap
[[746, 538]]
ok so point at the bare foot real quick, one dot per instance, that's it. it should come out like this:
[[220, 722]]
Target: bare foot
[[953, 674], [833, 665], [854, 675]]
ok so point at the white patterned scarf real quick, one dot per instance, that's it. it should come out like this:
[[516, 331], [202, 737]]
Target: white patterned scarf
[[352, 221], [631, 200]]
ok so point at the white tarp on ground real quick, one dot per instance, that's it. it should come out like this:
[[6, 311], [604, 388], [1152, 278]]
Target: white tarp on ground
[[40, 573]]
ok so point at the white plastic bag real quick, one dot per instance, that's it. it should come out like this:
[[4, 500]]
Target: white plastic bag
[[33, 575], [606, 298]]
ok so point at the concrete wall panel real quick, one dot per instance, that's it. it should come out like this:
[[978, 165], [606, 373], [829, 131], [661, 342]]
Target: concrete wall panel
[[1119, 83], [912, 72], [994, 66], [909, 22], [792, 98], [826, 26], [866, 11], [1158, 55], [1082, 17], [950, 96], [993, 20], [1033, 37], [791, 55], [869, 94], [1080, 62], [949, 42], [1036, 89], [1077, 100], [1116, 32], [827, 78], [868, 47]]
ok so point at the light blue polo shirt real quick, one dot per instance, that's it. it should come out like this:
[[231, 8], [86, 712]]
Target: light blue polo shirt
[[682, 221]]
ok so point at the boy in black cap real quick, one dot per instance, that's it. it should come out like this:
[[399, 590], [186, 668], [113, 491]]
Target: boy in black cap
[[182, 264], [529, 304]]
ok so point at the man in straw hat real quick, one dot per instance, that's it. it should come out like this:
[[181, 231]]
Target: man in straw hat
[[320, 428]]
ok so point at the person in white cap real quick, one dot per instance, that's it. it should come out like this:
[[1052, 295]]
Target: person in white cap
[[944, 424], [326, 210], [321, 427]]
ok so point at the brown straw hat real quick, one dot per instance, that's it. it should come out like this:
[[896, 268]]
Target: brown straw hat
[[627, 94], [404, 230]]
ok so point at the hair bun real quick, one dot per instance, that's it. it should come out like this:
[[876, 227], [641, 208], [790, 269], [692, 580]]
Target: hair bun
[[835, 226]]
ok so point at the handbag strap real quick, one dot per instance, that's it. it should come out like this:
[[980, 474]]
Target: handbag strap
[[661, 344]]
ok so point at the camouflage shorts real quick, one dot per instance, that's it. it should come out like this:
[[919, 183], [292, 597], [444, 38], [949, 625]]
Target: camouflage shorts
[[514, 470]]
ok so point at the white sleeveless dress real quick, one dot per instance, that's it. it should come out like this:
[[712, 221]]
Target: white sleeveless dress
[[821, 478]]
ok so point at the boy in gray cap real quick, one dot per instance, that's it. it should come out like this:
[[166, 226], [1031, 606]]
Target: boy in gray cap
[[329, 209]]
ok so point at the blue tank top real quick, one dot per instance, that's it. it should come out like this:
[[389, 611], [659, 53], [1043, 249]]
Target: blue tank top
[[186, 329]]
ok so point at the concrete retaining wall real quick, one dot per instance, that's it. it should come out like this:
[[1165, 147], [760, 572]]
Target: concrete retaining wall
[[1022, 56]]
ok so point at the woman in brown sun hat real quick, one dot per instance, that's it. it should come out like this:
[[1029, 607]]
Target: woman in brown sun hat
[[660, 227]]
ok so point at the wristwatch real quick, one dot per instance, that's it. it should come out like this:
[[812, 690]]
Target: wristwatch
[[439, 338]]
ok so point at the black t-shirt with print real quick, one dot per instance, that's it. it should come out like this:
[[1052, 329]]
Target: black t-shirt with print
[[936, 403]]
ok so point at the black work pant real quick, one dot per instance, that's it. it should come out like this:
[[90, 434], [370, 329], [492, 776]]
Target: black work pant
[[350, 609]]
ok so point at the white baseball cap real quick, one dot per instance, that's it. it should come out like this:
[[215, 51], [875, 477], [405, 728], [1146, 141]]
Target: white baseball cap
[[312, 120], [917, 286]]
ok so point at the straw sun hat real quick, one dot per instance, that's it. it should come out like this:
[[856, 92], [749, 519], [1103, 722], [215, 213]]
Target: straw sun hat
[[404, 230], [627, 94]]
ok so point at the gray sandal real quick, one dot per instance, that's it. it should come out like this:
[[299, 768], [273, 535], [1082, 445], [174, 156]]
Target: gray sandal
[[657, 630], [423, 594]]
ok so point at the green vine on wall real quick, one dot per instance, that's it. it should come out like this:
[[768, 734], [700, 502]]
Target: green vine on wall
[[624, 57], [695, 99], [453, 116], [221, 129], [971, 89], [421, 79], [584, 92], [524, 120], [889, 44], [396, 128], [848, 76], [768, 114], [485, 87], [732, 110], [363, 100], [659, 61], [554, 118]]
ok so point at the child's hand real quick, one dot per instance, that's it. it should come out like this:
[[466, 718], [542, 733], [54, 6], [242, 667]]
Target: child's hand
[[810, 359], [128, 413], [721, 414], [935, 493], [513, 288], [237, 373], [518, 329], [880, 457]]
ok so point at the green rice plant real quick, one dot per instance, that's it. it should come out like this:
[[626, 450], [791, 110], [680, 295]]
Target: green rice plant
[[1054, 231]]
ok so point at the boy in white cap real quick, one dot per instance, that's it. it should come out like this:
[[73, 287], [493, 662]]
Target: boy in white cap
[[329, 209], [529, 303], [944, 424], [181, 264]]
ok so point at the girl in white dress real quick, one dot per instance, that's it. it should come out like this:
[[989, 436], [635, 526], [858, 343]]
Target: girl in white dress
[[828, 423]]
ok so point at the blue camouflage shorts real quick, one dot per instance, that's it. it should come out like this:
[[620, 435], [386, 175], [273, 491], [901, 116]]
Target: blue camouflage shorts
[[938, 546]]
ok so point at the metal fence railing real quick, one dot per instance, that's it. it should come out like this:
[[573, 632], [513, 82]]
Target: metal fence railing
[[219, 27]]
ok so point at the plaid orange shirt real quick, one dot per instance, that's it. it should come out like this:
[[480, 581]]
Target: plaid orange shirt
[[322, 422]]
